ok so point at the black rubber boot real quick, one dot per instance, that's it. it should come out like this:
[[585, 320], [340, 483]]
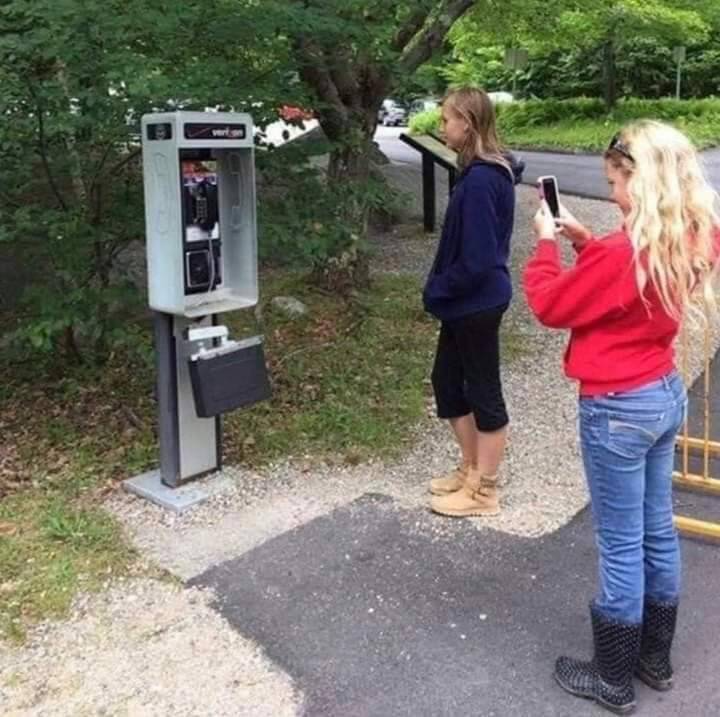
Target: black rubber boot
[[654, 668], [607, 679]]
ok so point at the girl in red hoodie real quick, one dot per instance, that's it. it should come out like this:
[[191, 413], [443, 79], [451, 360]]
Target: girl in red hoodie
[[623, 301]]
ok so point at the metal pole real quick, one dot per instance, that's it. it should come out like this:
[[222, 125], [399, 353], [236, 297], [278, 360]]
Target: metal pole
[[167, 398], [677, 87], [428, 177]]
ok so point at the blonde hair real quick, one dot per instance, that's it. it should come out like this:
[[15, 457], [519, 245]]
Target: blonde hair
[[673, 216], [482, 141]]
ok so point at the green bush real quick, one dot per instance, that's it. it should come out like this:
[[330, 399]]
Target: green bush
[[304, 219], [584, 124], [424, 122]]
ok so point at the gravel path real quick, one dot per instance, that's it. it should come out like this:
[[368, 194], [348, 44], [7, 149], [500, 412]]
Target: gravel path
[[143, 648], [149, 648]]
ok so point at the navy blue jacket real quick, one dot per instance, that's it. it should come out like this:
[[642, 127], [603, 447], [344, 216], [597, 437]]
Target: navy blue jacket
[[470, 272]]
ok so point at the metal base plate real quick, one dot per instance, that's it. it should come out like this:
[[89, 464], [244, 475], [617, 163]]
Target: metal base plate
[[150, 486]]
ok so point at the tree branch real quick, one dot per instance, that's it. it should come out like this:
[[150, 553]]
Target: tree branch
[[411, 28], [122, 163], [101, 163], [341, 72], [42, 150], [432, 34], [314, 71]]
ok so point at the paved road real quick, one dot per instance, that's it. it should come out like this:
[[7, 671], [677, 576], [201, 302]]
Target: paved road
[[375, 613], [375, 610], [578, 174]]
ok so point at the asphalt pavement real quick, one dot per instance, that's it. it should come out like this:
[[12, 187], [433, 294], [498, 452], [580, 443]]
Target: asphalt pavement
[[376, 610], [578, 174]]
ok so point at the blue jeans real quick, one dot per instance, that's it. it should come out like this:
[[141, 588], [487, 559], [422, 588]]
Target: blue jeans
[[628, 442]]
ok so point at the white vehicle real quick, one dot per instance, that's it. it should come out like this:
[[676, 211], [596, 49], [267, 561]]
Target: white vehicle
[[392, 113], [499, 97], [423, 105]]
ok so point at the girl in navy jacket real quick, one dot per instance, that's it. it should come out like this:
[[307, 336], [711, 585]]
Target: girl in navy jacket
[[468, 290]]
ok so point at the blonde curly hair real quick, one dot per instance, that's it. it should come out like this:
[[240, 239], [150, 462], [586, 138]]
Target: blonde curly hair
[[673, 221]]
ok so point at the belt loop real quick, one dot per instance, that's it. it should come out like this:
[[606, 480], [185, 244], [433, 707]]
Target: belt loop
[[666, 382]]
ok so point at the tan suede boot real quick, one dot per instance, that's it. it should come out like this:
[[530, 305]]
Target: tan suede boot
[[477, 496], [448, 483]]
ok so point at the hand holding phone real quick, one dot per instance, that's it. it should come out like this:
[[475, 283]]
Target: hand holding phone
[[544, 223], [576, 232], [549, 192]]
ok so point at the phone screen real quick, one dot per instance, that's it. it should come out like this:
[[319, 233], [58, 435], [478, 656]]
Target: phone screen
[[550, 194]]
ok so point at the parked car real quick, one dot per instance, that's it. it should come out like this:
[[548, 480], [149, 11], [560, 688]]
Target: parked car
[[498, 97], [395, 117], [423, 105], [392, 113]]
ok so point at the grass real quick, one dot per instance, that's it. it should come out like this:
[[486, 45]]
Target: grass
[[68, 433], [585, 125], [50, 547], [593, 135], [350, 380]]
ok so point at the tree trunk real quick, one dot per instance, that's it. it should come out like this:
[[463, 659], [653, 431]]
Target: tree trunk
[[349, 163], [351, 85], [609, 73]]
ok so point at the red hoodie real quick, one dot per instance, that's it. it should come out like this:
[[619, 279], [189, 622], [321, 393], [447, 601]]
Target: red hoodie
[[617, 341]]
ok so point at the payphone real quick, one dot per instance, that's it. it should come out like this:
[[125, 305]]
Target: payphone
[[198, 170]]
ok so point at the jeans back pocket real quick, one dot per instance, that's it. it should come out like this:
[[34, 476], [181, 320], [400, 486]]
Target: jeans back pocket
[[632, 435]]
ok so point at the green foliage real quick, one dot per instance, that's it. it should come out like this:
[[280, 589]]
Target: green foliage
[[304, 219], [665, 20], [571, 61], [50, 549], [584, 123], [425, 122], [644, 68], [76, 78]]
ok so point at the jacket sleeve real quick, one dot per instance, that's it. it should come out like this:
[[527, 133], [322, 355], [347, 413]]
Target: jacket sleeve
[[601, 282], [478, 240]]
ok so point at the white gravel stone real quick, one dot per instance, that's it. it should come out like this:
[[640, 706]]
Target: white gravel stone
[[163, 652]]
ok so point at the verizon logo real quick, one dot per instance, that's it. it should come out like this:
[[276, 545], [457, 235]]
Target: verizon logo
[[215, 131], [227, 133]]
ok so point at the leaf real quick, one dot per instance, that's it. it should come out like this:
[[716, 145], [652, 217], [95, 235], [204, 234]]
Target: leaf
[[8, 528]]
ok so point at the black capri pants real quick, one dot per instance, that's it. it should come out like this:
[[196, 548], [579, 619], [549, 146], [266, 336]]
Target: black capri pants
[[466, 373]]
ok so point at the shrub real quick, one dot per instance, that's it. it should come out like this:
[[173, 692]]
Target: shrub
[[424, 122], [583, 123]]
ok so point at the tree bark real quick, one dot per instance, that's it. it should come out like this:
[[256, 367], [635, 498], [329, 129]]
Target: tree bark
[[424, 43], [609, 73], [351, 89]]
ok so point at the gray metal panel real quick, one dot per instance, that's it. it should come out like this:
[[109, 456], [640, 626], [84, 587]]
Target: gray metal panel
[[198, 436], [151, 487], [166, 382], [238, 223], [163, 225], [163, 216]]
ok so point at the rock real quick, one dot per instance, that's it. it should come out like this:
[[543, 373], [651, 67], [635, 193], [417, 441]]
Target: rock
[[290, 306]]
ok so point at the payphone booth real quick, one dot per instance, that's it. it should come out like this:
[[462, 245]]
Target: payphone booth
[[199, 182]]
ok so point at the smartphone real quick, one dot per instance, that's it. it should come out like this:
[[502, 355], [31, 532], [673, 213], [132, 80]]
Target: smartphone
[[549, 192]]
